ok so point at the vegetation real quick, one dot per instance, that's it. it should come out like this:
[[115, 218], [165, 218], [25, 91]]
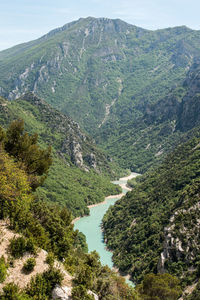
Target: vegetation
[[195, 295], [12, 292], [91, 65], [3, 269], [66, 184], [20, 245], [29, 264], [162, 218], [42, 285], [159, 287], [47, 226]]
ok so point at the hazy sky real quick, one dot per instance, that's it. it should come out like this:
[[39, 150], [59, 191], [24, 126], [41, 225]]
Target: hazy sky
[[25, 20]]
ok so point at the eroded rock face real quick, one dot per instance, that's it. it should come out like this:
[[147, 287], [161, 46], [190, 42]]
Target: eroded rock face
[[181, 243], [76, 154], [91, 160], [73, 143], [61, 293], [64, 293]]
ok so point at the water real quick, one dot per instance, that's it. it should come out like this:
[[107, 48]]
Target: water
[[91, 225]]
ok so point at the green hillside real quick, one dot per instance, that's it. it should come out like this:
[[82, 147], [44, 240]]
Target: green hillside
[[80, 173], [28, 226], [104, 73], [154, 228], [146, 140]]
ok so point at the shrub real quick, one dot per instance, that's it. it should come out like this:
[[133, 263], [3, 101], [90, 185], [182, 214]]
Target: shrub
[[29, 264], [160, 287], [3, 269], [20, 245], [41, 285], [11, 292], [80, 292], [50, 259]]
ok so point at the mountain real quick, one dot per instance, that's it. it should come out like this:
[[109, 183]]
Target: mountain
[[155, 227], [80, 173], [146, 140], [104, 74]]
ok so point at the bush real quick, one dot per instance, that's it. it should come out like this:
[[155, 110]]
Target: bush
[[80, 292], [3, 269], [29, 264], [11, 292], [41, 285], [20, 245], [50, 259], [160, 287]]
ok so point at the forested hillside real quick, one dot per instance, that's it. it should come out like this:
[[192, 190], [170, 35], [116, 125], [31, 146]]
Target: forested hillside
[[80, 173], [155, 227], [145, 141], [105, 74], [34, 224]]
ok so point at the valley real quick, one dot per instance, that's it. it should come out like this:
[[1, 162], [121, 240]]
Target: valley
[[90, 225], [82, 108]]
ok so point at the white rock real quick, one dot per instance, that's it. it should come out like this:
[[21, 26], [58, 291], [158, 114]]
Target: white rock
[[62, 293], [93, 294]]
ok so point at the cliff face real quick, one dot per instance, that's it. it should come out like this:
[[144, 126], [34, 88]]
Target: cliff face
[[189, 115], [69, 140]]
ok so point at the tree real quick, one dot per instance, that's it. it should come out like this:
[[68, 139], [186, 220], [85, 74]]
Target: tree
[[24, 148], [159, 287]]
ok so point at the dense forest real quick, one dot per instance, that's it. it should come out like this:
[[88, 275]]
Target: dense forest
[[154, 228]]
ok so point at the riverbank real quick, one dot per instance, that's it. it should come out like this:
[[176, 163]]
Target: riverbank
[[90, 225], [123, 186]]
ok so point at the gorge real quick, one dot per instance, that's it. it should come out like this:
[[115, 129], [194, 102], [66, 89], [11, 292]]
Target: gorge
[[81, 106]]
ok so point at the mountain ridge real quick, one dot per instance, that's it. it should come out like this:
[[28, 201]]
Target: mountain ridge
[[102, 73]]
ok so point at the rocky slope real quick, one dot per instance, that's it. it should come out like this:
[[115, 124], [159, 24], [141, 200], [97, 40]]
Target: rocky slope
[[80, 172], [146, 140], [105, 73]]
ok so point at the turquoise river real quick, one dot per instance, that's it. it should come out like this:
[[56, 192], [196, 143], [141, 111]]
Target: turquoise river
[[91, 225]]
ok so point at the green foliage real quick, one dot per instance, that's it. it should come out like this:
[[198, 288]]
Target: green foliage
[[66, 183], [18, 246], [137, 237], [80, 292], [42, 285], [3, 269], [50, 227], [25, 149], [29, 264], [81, 242], [129, 75], [14, 187], [50, 259], [75, 188], [11, 292], [159, 287]]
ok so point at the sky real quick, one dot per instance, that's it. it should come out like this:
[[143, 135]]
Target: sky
[[25, 20]]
